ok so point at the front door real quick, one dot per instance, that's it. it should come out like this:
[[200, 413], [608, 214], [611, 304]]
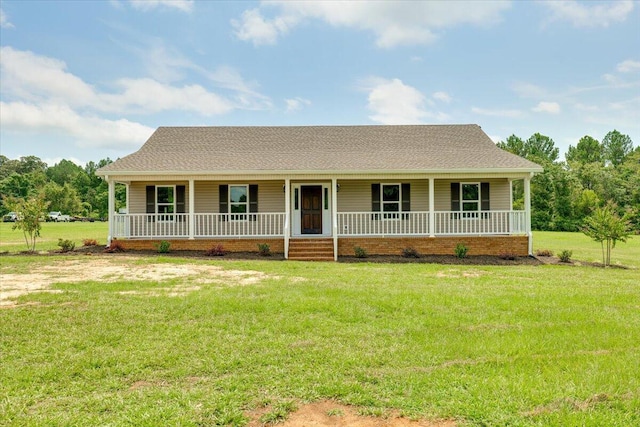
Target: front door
[[311, 215]]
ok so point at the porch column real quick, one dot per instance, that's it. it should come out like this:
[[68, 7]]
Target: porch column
[[334, 216], [127, 187], [192, 208], [112, 208], [287, 216], [432, 214], [510, 194], [527, 211]]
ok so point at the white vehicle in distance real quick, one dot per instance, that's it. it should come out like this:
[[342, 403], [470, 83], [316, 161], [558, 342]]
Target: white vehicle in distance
[[57, 217]]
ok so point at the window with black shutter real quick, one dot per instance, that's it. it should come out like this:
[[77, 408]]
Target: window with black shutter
[[390, 199]]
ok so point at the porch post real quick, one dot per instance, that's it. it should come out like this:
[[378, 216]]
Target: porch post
[[510, 194], [112, 208], [334, 216], [127, 187], [287, 215], [192, 208], [432, 214], [527, 211]]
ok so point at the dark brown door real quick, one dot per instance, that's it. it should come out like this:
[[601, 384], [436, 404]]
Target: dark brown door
[[312, 209]]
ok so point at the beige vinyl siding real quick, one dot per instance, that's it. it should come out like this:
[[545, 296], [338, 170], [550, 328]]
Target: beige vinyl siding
[[499, 193], [138, 195], [270, 195], [355, 196]]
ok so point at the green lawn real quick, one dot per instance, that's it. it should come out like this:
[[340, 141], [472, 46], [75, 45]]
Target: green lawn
[[585, 249], [13, 240], [482, 345]]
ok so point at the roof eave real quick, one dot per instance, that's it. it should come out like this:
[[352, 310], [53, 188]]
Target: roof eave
[[321, 172]]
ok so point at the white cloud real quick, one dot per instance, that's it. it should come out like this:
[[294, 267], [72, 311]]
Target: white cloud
[[40, 94], [589, 14], [144, 5], [442, 96], [513, 114], [4, 20], [628, 66], [255, 28], [150, 96], [296, 104], [86, 130], [395, 103], [31, 77], [393, 23], [547, 107], [528, 90]]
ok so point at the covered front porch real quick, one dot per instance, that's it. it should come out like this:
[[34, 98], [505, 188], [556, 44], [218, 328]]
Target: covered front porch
[[382, 214]]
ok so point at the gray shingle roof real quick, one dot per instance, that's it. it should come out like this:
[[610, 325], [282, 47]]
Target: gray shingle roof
[[318, 149]]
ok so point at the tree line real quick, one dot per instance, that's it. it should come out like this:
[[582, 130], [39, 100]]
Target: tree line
[[66, 187], [594, 174]]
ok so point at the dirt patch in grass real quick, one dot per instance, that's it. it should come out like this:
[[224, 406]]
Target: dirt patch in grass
[[332, 414], [113, 269]]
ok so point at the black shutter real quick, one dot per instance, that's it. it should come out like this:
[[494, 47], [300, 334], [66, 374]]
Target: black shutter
[[180, 202], [455, 196], [253, 201], [484, 197], [151, 202], [224, 201], [375, 200], [406, 199], [180, 199]]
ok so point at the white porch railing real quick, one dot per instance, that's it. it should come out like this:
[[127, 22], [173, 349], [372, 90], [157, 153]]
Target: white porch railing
[[349, 224], [239, 225], [151, 225], [205, 225], [417, 223], [486, 222], [382, 223]]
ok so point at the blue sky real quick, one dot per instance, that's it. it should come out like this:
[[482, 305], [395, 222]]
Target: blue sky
[[86, 80]]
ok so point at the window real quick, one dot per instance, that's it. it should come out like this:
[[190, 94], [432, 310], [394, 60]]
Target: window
[[165, 202], [470, 198], [470, 202], [238, 201], [392, 199]]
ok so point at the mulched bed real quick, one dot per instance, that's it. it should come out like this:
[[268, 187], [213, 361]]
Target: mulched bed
[[385, 259]]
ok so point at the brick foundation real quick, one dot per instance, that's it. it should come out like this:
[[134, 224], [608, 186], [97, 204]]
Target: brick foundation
[[444, 245], [229, 245]]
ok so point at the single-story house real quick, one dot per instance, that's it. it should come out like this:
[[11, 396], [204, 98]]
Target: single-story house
[[318, 192]]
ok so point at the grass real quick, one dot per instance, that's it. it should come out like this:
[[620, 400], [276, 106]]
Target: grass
[[13, 240], [585, 249], [483, 345]]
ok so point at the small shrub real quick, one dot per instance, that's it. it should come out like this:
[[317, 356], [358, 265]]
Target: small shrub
[[565, 256], [217, 250], [163, 247], [360, 252], [461, 250], [509, 256], [410, 252], [89, 242], [264, 249], [115, 246], [544, 252], [66, 245]]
